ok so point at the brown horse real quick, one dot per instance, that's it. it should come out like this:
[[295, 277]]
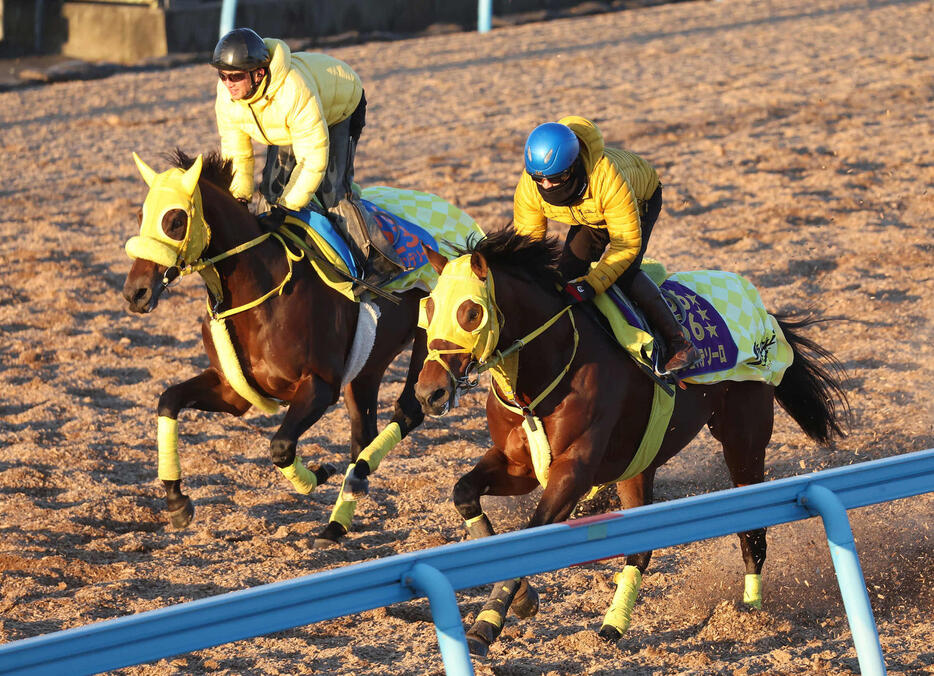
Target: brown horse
[[592, 401], [283, 343]]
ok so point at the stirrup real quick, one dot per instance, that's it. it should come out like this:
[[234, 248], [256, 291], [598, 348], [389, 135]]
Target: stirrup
[[693, 359]]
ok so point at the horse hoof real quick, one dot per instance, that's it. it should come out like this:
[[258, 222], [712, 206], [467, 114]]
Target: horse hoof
[[181, 517], [477, 646], [610, 634], [324, 472], [355, 488], [525, 604], [330, 536]]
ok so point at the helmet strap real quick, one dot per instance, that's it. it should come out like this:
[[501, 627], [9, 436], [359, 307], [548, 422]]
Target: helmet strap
[[264, 80]]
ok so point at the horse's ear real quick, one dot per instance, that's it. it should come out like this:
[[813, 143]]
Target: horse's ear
[[190, 179], [478, 265], [144, 169], [437, 260]]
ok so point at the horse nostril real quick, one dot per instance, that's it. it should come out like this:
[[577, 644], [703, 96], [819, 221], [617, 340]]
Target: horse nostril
[[139, 298], [437, 397]]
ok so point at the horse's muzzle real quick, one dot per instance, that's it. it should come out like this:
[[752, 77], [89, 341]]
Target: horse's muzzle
[[435, 400], [139, 298]]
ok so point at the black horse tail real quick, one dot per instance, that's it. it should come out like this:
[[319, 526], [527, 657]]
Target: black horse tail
[[809, 392]]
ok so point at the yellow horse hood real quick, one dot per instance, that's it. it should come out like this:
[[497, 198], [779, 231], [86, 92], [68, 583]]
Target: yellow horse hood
[[168, 191]]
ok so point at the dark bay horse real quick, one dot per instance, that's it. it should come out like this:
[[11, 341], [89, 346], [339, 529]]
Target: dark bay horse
[[278, 334], [570, 380]]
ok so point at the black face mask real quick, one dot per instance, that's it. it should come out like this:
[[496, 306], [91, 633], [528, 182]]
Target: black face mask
[[571, 191]]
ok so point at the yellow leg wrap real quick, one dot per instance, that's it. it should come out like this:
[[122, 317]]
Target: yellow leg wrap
[[384, 442], [473, 520], [302, 478], [494, 617], [170, 469], [752, 595], [344, 509], [627, 582]]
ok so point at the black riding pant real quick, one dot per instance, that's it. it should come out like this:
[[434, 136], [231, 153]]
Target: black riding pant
[[338, 176]]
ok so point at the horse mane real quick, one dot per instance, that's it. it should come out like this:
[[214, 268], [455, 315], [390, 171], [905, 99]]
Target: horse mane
[[215, 170], [525, 257]]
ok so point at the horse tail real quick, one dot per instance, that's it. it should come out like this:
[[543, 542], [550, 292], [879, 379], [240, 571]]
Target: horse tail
[[809, 392]]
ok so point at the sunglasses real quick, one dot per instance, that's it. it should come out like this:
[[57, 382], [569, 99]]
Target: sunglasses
[[232, 77], [557, 179]]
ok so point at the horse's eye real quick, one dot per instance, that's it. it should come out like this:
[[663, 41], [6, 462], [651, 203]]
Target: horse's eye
[[175, 223]]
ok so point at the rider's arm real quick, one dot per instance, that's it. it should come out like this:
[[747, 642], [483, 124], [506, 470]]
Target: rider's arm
[[527, 215], [621, 212], [235, 145], [308, 127]]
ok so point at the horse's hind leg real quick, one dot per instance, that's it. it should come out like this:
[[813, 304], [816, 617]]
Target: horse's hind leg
[[206, 392], [742, 423], [361, 406], [489, 477], [633, 492]]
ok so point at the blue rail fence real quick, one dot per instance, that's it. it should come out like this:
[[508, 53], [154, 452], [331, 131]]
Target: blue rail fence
[[436, 573]]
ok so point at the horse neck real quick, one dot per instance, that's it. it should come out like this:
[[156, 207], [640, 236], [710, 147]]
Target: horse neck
[[526, 306], [246, 274]]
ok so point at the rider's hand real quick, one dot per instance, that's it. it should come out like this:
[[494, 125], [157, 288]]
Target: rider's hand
[[244, 201], [577, 291], [273, 219]]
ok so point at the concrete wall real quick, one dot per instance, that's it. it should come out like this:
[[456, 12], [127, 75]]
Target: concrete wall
[[128, 31], [114, 33]]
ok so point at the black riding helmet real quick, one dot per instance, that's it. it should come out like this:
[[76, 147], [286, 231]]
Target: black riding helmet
[[240, 49]]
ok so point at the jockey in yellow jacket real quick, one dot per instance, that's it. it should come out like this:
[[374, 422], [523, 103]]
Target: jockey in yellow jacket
[[310, 109], [611, 198]]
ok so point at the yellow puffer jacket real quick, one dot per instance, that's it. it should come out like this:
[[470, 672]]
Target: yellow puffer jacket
[[619, 182], [302, 96]]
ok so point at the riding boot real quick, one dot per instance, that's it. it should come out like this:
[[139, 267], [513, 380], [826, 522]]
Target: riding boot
[[679, 350], [380, 262]]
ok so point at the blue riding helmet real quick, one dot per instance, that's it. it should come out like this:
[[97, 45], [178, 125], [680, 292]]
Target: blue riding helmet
[[550, 149]]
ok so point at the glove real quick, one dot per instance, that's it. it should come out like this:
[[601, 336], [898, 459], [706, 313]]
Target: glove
[[578, 290], [273, 219], [244, 201]]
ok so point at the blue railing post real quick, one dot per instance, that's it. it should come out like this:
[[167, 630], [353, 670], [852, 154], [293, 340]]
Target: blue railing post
[[429, 581], [819, 500], [484, 15], [228, 17]]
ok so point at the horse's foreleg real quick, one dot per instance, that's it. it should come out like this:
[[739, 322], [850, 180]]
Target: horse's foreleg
[[311, 400], [490, 477], [633, 492], [207, 392], [743, 426], [406, 416]]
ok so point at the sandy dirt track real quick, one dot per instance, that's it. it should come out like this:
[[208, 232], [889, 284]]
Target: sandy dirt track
[[794, 142]]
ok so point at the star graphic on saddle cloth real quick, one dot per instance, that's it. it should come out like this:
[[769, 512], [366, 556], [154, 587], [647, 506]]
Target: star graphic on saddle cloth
[[703, 313], [692, 300], [712, 330]]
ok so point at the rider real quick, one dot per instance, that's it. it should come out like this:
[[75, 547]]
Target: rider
[[611, 199], [310, 109]]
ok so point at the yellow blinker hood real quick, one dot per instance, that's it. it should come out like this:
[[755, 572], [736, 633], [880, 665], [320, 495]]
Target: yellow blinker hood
[[457, 283], [172, 189]]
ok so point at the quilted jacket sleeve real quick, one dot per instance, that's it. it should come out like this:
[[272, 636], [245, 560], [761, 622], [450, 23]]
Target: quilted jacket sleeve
[[309, 132], [621, 212], [235, 146], [527, 215]]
